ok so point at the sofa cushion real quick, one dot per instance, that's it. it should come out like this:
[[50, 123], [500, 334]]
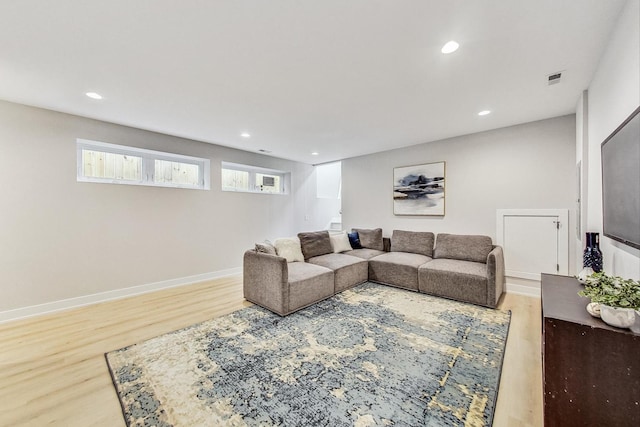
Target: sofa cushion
[[354, 240], [349, 270], [463, 247], [364, 253], [415, 242], [370, 239], [340, 242], [289, 248], [266, 248], [308, 284], [460, 280], [315, 243], [397, 268], [297, 272]]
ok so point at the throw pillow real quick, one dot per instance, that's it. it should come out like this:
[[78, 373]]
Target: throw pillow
[[340, 242], [463, 247], [266, 248], [315, 244], [415, 242], [371, 239], [289, 248], [354, 240]]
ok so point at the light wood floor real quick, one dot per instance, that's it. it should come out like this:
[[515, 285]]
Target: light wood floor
[[53, 371]]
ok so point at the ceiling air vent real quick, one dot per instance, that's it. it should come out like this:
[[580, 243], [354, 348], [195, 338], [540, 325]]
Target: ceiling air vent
[[554, 78]]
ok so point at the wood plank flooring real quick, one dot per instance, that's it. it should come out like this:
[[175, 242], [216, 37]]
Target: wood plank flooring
[[53, 371]]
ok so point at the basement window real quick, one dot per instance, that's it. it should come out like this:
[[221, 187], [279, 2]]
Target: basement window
[[252, 179], [100, 162]]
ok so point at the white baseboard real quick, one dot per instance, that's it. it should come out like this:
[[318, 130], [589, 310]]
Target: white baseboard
[[66, 304], [529, 291]]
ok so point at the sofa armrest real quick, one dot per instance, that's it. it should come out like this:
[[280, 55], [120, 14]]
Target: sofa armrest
[[265, 281], [495, 273]]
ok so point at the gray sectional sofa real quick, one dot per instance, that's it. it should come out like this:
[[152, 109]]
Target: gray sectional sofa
[[295, 273]]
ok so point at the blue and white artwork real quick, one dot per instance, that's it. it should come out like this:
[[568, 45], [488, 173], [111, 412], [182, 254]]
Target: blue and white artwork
[[419, 190]]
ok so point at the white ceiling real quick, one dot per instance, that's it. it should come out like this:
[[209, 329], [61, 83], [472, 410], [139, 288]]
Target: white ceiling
[[340, 77]]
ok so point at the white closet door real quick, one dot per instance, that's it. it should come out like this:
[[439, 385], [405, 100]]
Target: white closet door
[[534, 242]]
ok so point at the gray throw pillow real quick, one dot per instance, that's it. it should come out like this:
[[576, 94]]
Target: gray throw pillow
[[463, 247], [315, 244], [266, 248], [415, 242], [371, 239]]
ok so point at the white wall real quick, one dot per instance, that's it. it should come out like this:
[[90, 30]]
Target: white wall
[[582, 147], [614, 93], [62, 239], [529, 166], [329, 184], [315, 212]]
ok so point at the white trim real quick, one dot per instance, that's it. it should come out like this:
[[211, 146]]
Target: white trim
[[66, 304], [523, 275], [250, 168], [529, 291]]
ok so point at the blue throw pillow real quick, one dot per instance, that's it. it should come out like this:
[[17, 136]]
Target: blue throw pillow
[[354, 240]]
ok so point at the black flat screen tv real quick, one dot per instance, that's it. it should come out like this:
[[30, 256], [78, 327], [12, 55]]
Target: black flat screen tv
[[621, 182]]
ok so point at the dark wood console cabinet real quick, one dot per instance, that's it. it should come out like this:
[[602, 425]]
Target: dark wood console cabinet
[[591, 371]]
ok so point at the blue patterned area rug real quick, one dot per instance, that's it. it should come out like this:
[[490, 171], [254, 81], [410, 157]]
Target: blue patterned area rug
[[372, 355]]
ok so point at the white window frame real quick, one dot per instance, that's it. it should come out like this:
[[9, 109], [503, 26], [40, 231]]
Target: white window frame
[[148, 165], [253, 170]]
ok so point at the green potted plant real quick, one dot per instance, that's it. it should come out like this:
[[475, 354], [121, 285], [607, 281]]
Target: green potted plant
[[618, 298]]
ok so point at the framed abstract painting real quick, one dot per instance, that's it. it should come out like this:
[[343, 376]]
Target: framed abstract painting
[[419, 189]]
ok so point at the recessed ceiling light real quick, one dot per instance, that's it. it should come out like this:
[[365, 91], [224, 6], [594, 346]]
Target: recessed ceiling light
[[245, 135], [484, 112], [93, 95], [450, 46], [315, 153]]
